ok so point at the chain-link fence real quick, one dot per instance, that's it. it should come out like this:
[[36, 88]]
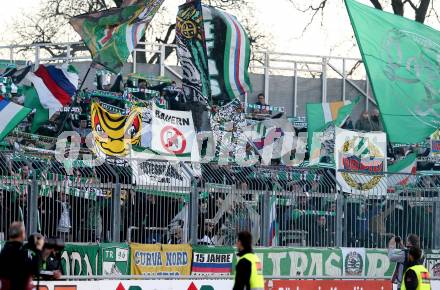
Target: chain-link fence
[[162, 202]]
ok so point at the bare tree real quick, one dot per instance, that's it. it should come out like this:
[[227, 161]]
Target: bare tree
[[50, 24], [245, 12], [421, 10]]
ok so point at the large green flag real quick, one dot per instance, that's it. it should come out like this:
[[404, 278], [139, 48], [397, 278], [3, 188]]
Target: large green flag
[[402, 58], [111, 35]]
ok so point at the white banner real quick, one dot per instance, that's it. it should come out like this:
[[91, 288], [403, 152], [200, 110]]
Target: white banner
[[353, 261], [138, 285], [173, 135], [365, 154]]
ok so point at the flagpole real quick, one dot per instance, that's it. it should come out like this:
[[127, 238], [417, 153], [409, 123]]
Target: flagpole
[[71, 104]]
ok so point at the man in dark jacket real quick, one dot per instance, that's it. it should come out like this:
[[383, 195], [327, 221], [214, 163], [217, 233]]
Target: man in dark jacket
[[18, 264], [248, 270], [364, 123]]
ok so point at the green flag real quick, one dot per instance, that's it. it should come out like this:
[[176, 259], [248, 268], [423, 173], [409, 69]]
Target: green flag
[[320, 114], [32, 101], [403, 64], [111, 35]]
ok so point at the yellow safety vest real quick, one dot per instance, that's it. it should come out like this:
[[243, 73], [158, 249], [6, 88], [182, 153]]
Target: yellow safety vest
[[422, 277], [257, 280]]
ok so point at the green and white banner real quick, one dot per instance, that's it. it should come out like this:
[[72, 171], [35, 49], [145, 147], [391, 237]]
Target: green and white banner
[[302, 262], [96, 259]]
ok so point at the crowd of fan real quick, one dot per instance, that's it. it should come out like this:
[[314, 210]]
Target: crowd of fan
[[305, 212]]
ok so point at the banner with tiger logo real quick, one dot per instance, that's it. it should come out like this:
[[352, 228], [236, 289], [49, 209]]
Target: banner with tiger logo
[[361, 161], [114, 133]]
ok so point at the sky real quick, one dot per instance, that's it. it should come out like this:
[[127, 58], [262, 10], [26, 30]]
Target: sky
[[278, 17]]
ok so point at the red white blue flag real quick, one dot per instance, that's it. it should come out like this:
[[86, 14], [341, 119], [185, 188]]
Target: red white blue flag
[[55, 86]]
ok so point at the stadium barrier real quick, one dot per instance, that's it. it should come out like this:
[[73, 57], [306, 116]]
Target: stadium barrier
[[221, 283], [158, 202]]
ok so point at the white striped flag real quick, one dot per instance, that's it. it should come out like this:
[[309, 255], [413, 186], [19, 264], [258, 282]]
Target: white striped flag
[[55, 86], [228, 50], [11, 115]]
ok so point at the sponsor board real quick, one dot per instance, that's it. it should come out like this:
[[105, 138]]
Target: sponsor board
[[329, 284], [138, 285], [434, 285], [160, 259]]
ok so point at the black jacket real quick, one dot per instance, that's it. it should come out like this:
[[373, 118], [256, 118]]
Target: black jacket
[[18, 264], [243, 272]]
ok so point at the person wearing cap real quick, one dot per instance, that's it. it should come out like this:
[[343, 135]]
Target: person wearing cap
[[248, 274]]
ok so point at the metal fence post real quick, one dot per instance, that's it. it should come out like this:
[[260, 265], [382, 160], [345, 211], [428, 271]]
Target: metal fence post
[[37, 56], [11, 54], [344, 79], [265, 228], [162, 60], [340, 206], [266, 76], [436, 230], [32, 200], [324, 79], [116, 208], [68, 53], [193, 212], [295, 90]]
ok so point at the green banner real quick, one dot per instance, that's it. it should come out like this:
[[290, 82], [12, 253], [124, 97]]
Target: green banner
[[95, 259], [115, 259], [81, 260], [293, 262]]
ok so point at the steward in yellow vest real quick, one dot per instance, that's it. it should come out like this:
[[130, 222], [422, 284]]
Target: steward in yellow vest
[[416, 277], [248, 271]]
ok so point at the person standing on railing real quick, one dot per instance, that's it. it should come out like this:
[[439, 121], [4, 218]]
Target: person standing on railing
[[399, 254], [416, 277], [248, 272]]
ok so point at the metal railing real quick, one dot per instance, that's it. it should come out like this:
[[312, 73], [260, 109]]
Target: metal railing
[[160, 202], [267, 63]]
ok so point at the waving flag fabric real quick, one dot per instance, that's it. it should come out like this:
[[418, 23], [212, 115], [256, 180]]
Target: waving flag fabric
[[228, 50], [191, 50], [111, 35], [404, 171], [11, 115], [55, 86], [320, 114], [402, 61], [31, 100]]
